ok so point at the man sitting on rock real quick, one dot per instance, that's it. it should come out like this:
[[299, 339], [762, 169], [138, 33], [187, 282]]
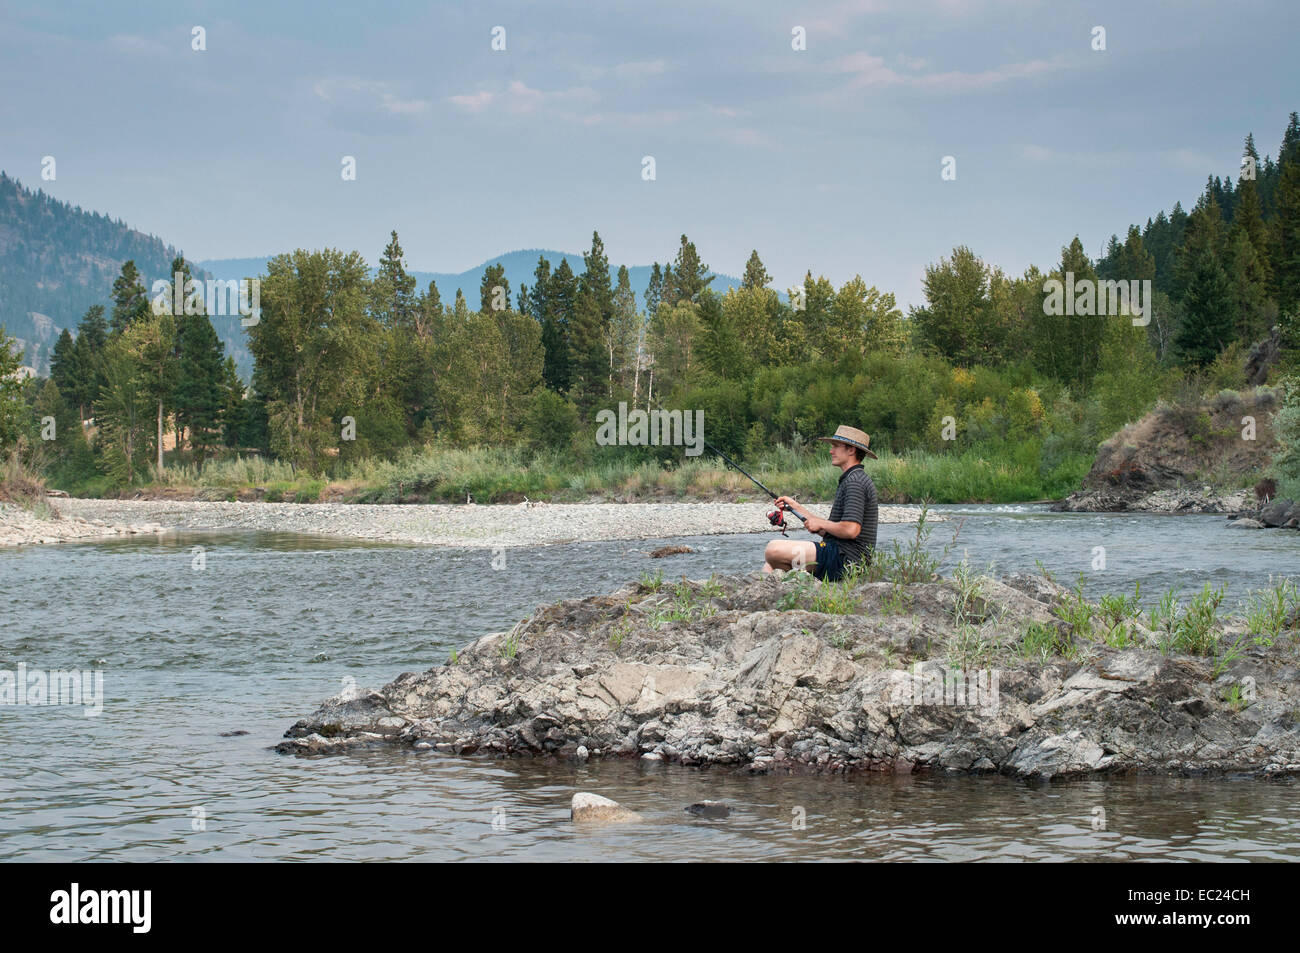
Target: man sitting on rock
[[849, 535]]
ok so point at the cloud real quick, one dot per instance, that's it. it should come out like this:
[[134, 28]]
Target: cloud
[[866, 69], [520, 99], [1037, 153], [372, 95]]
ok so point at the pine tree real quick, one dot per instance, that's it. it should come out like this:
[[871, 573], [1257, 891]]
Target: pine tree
[[130, 299], [201, 386], [587, 361], [690, 276], [1207, 305], [1249, 284], [393, 289], [654, 291], [92, 336], [1286, 264], [595, 281], [558, 301], [1249, 213], [756, 275], [63, 363], [494, 277], [234, 416]]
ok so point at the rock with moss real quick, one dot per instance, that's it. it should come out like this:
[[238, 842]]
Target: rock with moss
[[781, 673]]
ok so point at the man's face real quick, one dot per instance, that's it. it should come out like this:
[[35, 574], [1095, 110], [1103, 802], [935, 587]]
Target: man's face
[[842, 453]]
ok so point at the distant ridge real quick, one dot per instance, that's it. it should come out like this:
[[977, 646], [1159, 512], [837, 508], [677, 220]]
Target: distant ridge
[[519, 266]]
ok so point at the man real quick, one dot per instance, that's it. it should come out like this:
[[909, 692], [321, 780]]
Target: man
[[849, 535]]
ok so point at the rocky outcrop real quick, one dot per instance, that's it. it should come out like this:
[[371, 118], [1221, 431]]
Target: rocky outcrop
[[777, 674], [1184, 459]]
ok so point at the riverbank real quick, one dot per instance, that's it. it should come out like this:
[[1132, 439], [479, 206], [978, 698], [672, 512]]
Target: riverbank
[[44, 524], [898, 672], [471, 526]]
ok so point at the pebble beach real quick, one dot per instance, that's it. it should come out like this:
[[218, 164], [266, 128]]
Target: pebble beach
[[467, 525]]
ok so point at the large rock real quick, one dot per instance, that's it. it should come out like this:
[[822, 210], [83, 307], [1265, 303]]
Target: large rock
[[1279, 512], [930, 675], [594, 808]]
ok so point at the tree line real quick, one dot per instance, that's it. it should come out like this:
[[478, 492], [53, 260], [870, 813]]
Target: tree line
[[352, 364]]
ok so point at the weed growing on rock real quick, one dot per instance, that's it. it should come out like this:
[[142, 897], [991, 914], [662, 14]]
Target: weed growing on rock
[[453, 658], [510, 644], [1045, 641], [910, 564], [1115, 613], [969, 648], [793, 588], [1224, 661], [1232, 695], [621, 631], [1076, 611], [1194, 632], [969, 588], [1267, 611], [652, 583]]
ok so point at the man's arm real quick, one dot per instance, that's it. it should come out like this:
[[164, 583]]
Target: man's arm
[[844, 529]]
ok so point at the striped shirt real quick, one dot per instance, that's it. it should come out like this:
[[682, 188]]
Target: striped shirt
[[856, 500]]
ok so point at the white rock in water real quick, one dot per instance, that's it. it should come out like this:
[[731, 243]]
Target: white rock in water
[[593, 807], [581, 754], [1245, 523]]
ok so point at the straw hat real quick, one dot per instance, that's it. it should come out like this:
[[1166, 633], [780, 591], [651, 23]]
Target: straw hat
[[854, 438]]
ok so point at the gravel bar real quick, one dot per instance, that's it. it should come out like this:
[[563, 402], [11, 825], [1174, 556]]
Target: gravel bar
[[469, 525]]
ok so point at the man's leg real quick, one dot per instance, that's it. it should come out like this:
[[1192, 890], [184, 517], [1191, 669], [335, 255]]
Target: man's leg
[[789, 554]]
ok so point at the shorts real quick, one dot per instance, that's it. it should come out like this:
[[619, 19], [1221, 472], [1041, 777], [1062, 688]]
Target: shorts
[[830, 562]]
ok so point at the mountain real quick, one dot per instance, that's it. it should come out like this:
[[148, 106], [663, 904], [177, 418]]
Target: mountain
[[57, 259], [519, 266]]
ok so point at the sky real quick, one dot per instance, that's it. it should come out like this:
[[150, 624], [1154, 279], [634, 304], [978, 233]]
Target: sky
[[827, 158]]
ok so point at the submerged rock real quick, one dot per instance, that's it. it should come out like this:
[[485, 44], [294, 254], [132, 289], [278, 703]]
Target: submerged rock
[[592, 807], [767, 674], [709, 809]]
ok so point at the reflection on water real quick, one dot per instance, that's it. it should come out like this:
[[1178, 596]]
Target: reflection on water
[[275, 623]]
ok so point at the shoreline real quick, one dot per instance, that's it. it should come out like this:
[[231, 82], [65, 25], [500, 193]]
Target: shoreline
[[435, 524]]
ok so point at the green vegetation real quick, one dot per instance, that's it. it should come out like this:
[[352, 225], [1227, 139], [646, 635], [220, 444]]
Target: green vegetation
[[1193, 630], [1042, 642], [365, 387], [1267, 610]]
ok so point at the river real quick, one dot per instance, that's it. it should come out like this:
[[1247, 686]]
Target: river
[[272, 624]]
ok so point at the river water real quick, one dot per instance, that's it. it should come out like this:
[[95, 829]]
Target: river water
[[272, 624]]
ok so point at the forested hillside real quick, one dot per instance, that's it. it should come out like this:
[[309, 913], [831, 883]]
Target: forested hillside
[[56, 260]]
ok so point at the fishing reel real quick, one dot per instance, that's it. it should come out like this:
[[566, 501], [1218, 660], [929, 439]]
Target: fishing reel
[[777, 519]]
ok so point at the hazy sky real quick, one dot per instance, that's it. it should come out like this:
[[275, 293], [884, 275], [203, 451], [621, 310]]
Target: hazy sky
[[827, 158]]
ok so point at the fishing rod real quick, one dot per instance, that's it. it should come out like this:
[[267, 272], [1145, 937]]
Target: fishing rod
[[777, 516]]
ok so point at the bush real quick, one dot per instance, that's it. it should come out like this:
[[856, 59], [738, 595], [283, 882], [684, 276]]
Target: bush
[[551, 423]]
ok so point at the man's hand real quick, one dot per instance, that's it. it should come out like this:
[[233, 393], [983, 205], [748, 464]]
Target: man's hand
[[787, 501], [815, 525]]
